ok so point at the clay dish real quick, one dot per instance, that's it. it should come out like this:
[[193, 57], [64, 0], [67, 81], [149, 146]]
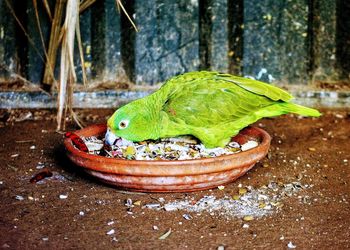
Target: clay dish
[[170, 175]]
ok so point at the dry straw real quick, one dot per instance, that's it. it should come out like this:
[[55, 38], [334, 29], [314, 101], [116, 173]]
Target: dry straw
[[62, 37]]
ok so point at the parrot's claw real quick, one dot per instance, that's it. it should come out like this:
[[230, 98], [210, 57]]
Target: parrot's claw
[[110, 137]]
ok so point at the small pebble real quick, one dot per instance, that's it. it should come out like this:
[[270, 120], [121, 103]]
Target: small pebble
[[32, 147], [248, 218], [128, 202], [187, 216], [14, 155], [245, 226], [40, 165], [339, 116], [19, 197], [155, 228], [291, 245], [312, 149], [221, 187], [221, 248], [110, 232], [63, 196], [81, 213]]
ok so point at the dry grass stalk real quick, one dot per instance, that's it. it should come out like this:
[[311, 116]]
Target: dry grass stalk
[[39, 29], [24, 30], [67, 72], [64, 36], [47, 8], [85, 4], [119, 4], [54, 42], [81, 53]]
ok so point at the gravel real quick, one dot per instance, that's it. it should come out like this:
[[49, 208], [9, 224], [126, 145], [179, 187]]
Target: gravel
[[248, 205]]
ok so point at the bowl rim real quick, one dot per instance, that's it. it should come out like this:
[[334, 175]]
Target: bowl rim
[[117, 166]]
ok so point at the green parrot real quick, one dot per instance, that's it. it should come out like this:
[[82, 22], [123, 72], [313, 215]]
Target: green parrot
[[211, 106]]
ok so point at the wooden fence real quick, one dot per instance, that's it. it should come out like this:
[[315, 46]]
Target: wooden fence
[[284, 41]]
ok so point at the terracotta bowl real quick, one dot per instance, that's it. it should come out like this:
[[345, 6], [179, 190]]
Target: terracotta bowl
[[170, 175]]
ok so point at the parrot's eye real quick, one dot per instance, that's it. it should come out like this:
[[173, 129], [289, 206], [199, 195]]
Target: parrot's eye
[[123, 124]]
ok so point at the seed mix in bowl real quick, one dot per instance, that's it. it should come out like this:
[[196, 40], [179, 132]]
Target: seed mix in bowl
[[179, 148]]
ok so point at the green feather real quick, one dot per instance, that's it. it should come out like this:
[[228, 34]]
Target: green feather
[[257, 87]]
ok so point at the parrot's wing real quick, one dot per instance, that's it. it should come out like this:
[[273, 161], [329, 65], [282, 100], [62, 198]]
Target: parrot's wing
[[209, 102], [257, 87]]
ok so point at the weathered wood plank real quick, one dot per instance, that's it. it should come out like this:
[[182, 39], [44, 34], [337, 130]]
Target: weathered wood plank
[[235, 24], [219, 36], [343, 38], [281, 41], [113, 99], [113, 43], [85, 34], [36, 49], [275, 40], [167, 43], [9, 37], [127, 40], [323, 39]]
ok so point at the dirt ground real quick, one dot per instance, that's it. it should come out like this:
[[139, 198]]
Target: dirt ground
[[314, 152]]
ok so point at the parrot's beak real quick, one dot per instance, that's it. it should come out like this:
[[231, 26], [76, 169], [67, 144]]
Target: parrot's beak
[[110, 137]]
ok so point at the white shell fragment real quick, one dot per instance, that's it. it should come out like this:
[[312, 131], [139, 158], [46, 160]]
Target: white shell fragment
[[249, 205], [249, 145], [19, 197], [187, 216], [63, 196], [170, 207], [291, 245], [110, 232], [93, 144], [166, 235], [178, 148]]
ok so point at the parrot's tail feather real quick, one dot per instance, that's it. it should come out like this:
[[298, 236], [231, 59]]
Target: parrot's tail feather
[[281, 108], [301, 110]]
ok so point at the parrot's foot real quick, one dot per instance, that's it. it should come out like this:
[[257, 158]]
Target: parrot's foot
[[219, 143]]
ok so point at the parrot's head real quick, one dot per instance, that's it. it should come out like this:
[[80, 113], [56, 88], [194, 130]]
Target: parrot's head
[[132, 122]]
